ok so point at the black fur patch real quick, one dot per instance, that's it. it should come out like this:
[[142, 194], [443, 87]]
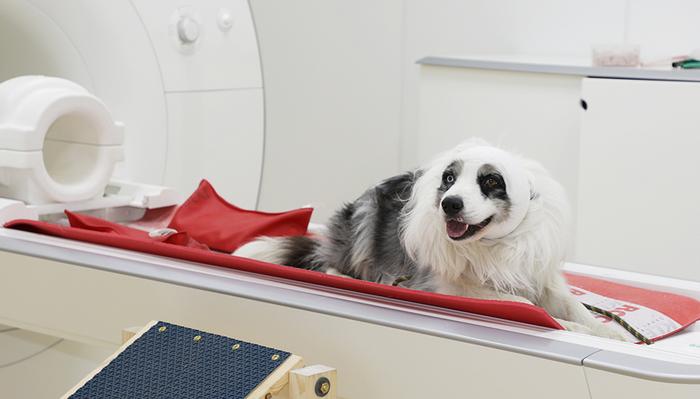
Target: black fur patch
[[347, 211], [491, 183], [390, 196], [396, 188], [449, 177]]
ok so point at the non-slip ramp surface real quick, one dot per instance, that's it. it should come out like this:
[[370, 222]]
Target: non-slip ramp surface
[[170, 361]]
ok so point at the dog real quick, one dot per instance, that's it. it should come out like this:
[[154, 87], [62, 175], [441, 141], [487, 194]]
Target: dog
[[477, 221]]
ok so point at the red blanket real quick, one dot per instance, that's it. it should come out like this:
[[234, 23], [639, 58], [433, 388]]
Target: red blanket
[[211, 220], [207, 221]]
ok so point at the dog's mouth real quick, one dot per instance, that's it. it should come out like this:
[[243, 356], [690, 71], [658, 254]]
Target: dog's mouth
[[458, 230]]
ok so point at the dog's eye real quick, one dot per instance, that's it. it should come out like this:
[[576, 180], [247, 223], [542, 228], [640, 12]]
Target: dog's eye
[[448, 177], [491, 183]]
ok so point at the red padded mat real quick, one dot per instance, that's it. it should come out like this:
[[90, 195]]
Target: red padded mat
[[515, 311]]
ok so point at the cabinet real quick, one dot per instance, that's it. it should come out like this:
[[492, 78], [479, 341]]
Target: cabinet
[[639, 175]]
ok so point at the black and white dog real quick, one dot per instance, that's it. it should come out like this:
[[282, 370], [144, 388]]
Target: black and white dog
[[477, 221]]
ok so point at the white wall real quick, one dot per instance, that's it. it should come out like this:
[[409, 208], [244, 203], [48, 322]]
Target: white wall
[[332, 93], [453, 27], [341, 74], [535, 27]]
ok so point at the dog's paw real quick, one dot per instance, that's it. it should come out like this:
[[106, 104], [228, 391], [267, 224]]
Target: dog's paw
[[598, 330], [605, 331], [575, 327]]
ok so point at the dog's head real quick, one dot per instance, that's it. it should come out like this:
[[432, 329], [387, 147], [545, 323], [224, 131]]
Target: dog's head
[[482, 192], [482, 210]]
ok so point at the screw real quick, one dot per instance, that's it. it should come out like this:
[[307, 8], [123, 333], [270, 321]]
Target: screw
[[323, 386]]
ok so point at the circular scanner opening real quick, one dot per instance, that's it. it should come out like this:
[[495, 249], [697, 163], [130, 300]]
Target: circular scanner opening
[[68, 161]]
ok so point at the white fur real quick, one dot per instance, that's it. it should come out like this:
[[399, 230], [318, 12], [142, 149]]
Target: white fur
[[264, 249], [522, 262]]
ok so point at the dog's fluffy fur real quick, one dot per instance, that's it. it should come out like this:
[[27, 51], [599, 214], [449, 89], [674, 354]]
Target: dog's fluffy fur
[[476, 221]]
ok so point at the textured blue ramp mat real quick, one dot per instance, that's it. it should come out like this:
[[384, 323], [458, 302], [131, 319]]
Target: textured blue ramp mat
[[172, 363]]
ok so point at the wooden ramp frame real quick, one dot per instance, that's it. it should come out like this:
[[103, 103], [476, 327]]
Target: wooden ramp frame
[[290, 380]]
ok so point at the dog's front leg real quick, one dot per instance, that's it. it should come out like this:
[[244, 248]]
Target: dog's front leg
[[479, 292], [558, 302], [582, 323], [498, 296]]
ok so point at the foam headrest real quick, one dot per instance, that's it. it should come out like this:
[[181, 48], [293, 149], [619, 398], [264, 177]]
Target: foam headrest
[[58, 142]]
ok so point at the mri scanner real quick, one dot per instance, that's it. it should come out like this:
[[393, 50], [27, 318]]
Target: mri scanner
[[184, 79], [175, 89]]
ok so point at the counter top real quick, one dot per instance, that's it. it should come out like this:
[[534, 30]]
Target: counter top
[[560, 66]]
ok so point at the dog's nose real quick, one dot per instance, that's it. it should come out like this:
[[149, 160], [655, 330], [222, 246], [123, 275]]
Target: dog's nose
[[452, 205]]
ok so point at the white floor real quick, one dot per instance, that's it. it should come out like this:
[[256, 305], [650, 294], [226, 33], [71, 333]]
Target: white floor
[[39, 366]]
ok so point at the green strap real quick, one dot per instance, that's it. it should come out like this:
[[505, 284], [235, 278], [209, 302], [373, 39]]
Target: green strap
[[621, 322]]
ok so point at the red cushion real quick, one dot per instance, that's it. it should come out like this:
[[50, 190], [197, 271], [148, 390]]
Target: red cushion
[[682, 309], [515, 311], [87, 222], [211, 220]]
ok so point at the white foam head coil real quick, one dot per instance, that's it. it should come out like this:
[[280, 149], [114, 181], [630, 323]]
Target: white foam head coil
[[58, 143]]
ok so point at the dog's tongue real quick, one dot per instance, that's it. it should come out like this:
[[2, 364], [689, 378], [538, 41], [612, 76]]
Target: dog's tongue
[[456, 229]]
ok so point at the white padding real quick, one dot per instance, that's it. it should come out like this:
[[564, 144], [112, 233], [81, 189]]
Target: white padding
[[58, 143]]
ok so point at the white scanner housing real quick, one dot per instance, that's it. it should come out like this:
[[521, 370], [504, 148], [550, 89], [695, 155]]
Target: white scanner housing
[[58, 142]]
